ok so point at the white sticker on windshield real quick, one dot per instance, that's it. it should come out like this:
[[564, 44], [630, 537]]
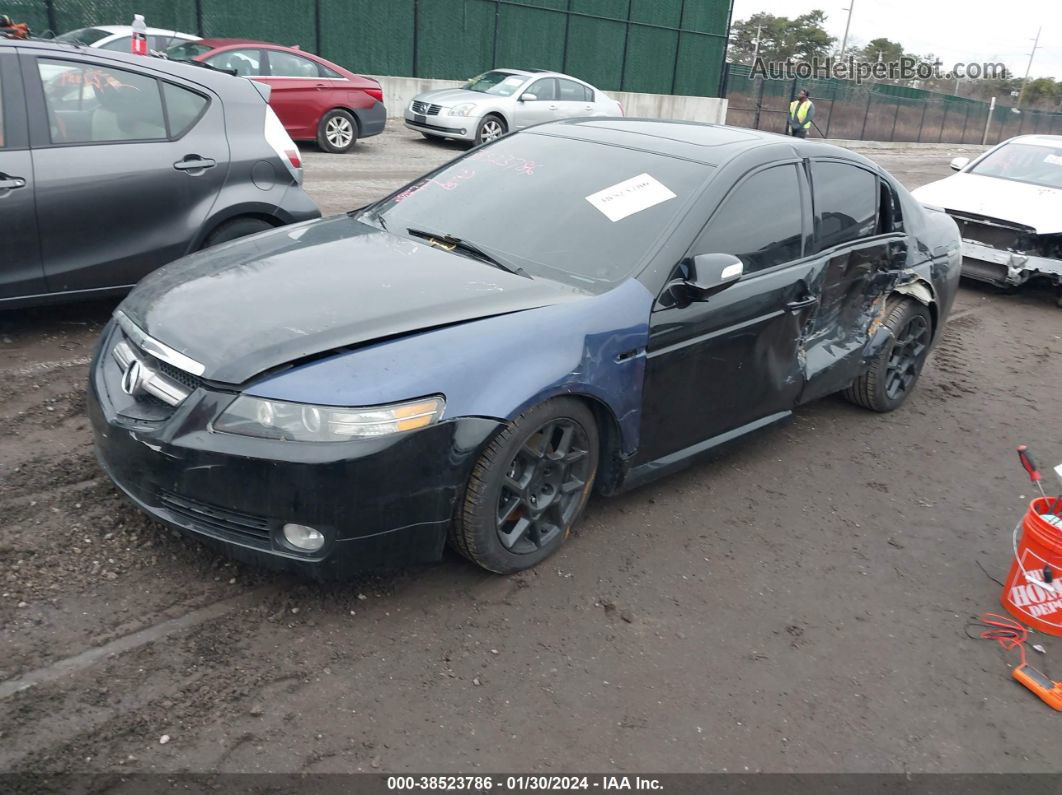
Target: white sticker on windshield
[[1054, 160], [630, 196]]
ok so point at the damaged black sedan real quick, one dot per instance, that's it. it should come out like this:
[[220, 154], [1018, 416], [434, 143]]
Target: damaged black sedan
[[584, 304]]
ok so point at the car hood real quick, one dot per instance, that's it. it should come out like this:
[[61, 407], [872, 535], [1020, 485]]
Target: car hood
[[1005, 199], [251, 305], [448, 97]]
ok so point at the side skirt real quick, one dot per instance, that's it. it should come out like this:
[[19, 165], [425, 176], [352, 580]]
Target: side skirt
[[651, 470]]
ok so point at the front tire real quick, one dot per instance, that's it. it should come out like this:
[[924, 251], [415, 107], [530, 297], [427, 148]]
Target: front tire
[[337, 132], [490, 128], [528, 488], [892, 376]]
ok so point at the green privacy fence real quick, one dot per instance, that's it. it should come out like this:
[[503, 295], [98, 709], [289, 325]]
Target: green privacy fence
[[879, 111], [653, 46]]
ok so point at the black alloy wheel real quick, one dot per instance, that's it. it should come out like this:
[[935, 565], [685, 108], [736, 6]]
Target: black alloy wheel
[[894, 370], [904, 361], [528, 487]]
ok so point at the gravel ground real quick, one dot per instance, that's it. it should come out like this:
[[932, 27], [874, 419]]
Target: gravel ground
[[797, 605]]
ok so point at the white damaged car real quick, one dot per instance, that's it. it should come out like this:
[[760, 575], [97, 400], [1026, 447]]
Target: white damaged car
[[1008, 205]]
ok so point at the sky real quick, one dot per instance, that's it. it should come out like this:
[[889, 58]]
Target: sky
[[955, 30]]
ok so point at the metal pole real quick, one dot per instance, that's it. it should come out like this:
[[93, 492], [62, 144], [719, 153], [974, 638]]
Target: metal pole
[[567, 27], [965, 120], [497, 17], [626, 41], [724, 78], [1028, 68], [866, 113], [199, 18], [921, 123], [848, 24], [317, 30], [943, 121], [829, 118], [988, 121], [53, 22], [895, 116], [759, 103], [756, 49]]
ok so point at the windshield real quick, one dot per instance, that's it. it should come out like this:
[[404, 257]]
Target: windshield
[[501, 83], [188, 51], [1038, 165], [84, 35], [578, 212]]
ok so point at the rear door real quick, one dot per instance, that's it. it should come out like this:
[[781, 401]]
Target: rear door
[[573, 99], [127, 168], [20, 261], [859, 239], [299, 94], [542, 108]]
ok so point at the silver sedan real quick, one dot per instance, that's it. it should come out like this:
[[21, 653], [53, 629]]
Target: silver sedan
[[500, 100]]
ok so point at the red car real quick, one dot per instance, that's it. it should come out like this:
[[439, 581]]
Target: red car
[[315, 99]]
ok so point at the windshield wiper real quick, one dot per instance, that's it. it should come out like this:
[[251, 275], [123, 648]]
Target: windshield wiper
[[451, 243]]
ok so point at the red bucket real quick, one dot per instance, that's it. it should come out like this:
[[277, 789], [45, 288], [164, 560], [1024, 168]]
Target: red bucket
[[1026, 595]]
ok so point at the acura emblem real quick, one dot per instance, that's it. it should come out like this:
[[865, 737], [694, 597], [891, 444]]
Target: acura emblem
[[133, 378]]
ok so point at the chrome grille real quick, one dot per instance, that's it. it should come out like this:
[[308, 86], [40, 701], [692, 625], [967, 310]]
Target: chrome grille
[[218, 521], [425, 108], [145, 376]]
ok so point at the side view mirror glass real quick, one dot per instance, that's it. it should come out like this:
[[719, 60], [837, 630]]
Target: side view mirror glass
[[528, 97], [959, 163], [710, 274]]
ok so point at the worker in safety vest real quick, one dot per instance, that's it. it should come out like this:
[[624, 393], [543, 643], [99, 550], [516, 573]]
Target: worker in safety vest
[[801, 112]]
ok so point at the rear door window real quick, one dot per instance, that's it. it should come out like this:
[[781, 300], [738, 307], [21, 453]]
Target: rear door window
[[183, 108], [121, 44], [92, 104], [760, 221], [570, 91], [284, 64], [846, 203]]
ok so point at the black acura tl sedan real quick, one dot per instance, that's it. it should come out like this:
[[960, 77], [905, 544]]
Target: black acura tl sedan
[[587, 303]]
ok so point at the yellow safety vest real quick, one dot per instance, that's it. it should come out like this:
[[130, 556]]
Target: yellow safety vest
[[799, 111]]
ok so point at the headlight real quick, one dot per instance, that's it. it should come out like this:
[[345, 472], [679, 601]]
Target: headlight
[[463, 110], [302, 422]]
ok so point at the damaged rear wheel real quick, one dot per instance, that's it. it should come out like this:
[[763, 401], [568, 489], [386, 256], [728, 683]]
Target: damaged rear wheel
[[894, 371]]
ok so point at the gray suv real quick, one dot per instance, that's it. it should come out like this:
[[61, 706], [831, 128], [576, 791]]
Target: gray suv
[[112, 165]]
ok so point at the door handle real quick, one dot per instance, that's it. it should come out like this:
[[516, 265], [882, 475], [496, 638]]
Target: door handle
[[194, 163], [10, 183], [320, 86], [552, 107], [796, 306]]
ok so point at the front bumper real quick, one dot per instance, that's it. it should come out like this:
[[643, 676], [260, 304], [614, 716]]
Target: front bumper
[[380, 502], [460, 128], [1006, 268]]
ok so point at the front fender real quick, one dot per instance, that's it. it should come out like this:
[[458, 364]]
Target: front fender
[[495, 367]]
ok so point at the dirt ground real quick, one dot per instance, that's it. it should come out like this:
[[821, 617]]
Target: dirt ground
[[797, 605]]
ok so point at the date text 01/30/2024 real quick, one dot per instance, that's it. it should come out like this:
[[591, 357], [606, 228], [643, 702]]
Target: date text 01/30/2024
[[521, 783]]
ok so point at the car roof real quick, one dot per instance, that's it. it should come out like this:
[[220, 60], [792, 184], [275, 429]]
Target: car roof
[[212, 42], [538, 73], [712, 144], [1038, 140]]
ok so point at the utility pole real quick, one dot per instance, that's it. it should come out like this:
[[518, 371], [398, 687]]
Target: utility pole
[[848, 24], [1025, 82], [756, 50]]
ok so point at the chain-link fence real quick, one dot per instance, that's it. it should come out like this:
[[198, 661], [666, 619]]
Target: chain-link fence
[[653, 46], [878, 112]]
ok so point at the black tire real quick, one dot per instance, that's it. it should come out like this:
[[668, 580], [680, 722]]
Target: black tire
[[528, 488], [490, 128], [428, 136], [237, 227], [892, 376], [337, 132]]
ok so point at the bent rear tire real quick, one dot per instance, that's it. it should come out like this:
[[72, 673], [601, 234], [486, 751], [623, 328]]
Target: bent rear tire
[[490, 128], [892, 375], [237, 227], [337, 132], [528, 488]]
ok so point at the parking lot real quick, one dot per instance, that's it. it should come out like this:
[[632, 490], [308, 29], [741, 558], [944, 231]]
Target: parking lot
[[798, 604]]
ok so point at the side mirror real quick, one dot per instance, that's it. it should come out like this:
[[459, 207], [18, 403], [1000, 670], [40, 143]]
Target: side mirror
[[959, 163], [528, 97], [711, 274]]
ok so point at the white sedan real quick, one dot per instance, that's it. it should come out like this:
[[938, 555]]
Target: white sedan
[[1008, 205], [119, 38]]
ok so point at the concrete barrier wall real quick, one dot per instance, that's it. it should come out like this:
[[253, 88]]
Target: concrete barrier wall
[[399, 91]]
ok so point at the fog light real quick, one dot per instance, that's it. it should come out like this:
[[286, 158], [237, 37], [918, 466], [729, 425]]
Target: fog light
[[303, 537]]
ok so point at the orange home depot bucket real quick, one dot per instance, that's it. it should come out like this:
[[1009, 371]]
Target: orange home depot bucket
[[1025, 594]]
